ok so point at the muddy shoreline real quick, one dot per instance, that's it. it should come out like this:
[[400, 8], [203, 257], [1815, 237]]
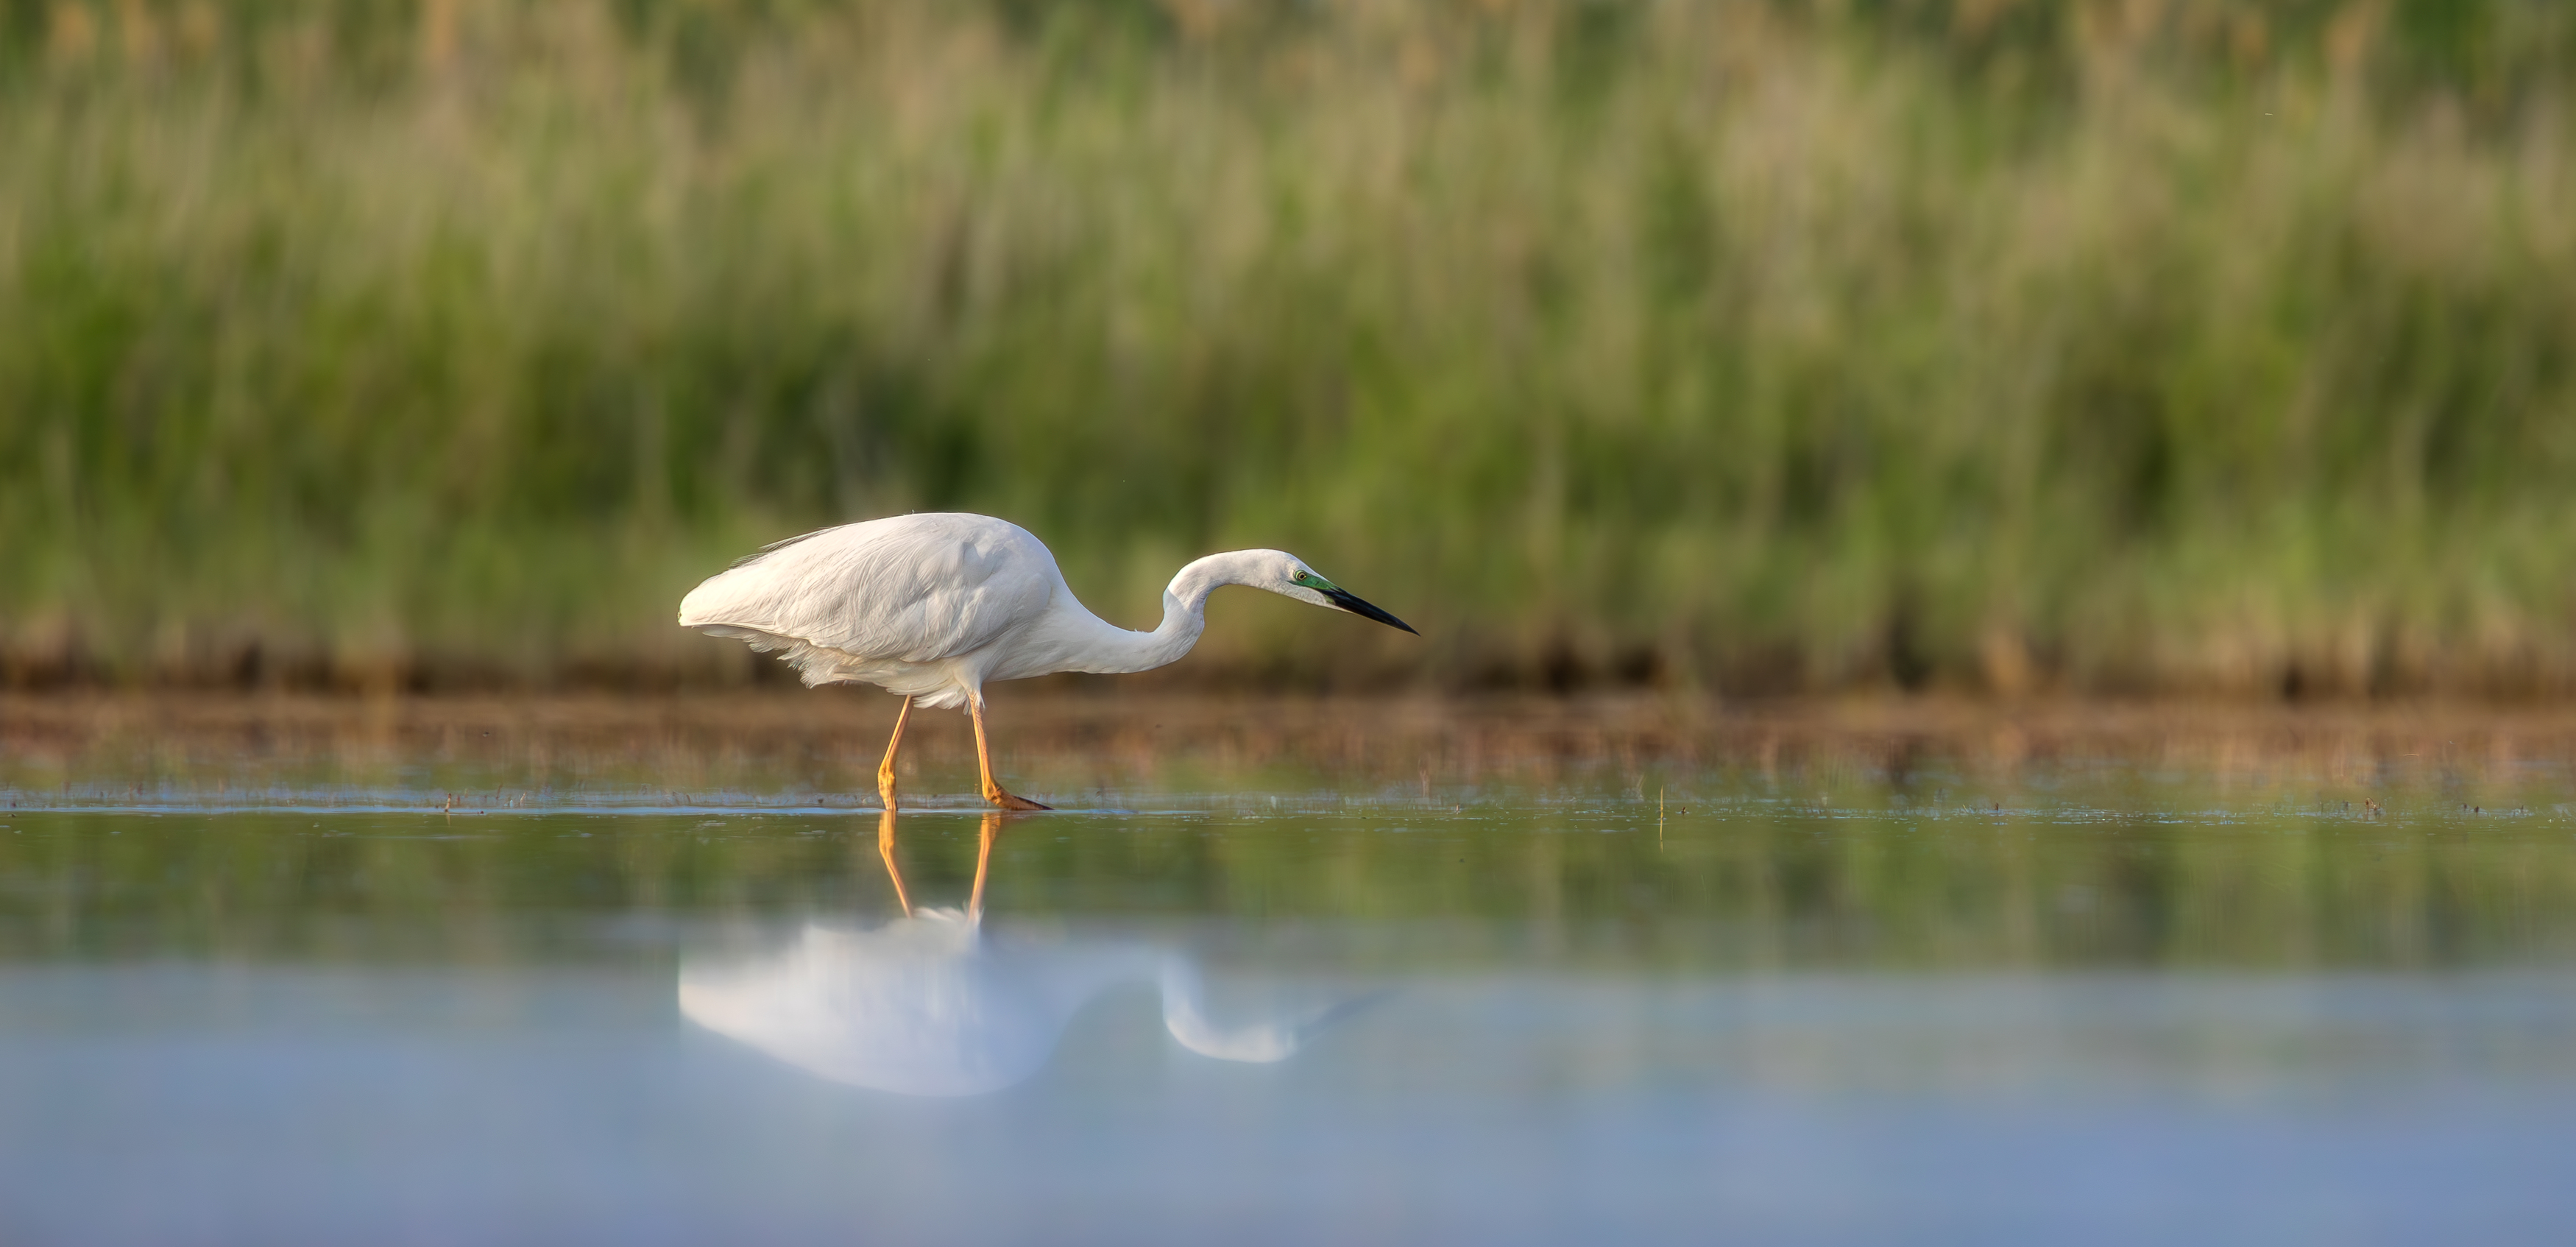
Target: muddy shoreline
[[1365, 738]]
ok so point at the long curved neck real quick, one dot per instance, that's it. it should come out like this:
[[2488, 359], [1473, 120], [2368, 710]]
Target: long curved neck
[[1184, 617]]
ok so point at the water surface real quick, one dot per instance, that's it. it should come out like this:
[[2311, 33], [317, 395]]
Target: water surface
[[1288, 974]]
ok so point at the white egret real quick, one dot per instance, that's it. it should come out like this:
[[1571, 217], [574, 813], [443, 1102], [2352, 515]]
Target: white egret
[[925, 1006], [935, 606]]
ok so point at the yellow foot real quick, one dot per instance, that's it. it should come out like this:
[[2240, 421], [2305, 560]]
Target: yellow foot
[[984, 763], [1010, 802], [885, 769]]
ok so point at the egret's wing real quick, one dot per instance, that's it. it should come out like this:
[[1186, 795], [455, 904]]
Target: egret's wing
[[913, 588]]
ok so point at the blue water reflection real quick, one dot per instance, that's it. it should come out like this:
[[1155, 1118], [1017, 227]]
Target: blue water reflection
[[172, 1104], [926, 1005], [2165, 1017]]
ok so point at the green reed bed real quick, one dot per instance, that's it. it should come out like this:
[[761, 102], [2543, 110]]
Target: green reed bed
[[1731, 344]]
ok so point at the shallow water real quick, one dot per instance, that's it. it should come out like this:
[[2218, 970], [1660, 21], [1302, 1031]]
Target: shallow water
[[1378, 979]]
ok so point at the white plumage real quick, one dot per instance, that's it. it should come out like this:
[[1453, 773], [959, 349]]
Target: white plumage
[[913, 604], [935, 606], [922, 1006]]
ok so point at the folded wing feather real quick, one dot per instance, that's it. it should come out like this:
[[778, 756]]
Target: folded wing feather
[[878, 601]]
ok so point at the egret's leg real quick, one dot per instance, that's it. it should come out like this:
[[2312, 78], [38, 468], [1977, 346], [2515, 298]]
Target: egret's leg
[[983, 862], [885, 769], [984, 759], [885, 849]]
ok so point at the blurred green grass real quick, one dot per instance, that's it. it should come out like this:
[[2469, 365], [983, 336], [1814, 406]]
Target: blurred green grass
[[1761, 346]]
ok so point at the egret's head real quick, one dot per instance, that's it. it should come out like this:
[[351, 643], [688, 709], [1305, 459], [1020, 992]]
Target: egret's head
[[1286, 574]]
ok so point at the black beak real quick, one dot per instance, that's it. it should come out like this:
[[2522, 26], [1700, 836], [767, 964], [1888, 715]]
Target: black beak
[[1343, 599]]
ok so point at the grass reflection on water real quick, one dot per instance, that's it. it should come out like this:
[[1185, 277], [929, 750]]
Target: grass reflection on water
[[1629, 837]]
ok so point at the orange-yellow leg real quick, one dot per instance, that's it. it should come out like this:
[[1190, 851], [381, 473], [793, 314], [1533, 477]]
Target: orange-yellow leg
[[885, 769], [983, 862], [885, 849], [984, 759]]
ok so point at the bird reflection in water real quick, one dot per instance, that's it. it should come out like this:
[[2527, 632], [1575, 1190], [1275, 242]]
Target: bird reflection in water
[[925, 1005]]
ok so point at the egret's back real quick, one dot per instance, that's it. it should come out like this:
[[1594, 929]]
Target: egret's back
[[898, 602]]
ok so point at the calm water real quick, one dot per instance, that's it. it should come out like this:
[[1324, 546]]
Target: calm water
[[1369, 981]]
